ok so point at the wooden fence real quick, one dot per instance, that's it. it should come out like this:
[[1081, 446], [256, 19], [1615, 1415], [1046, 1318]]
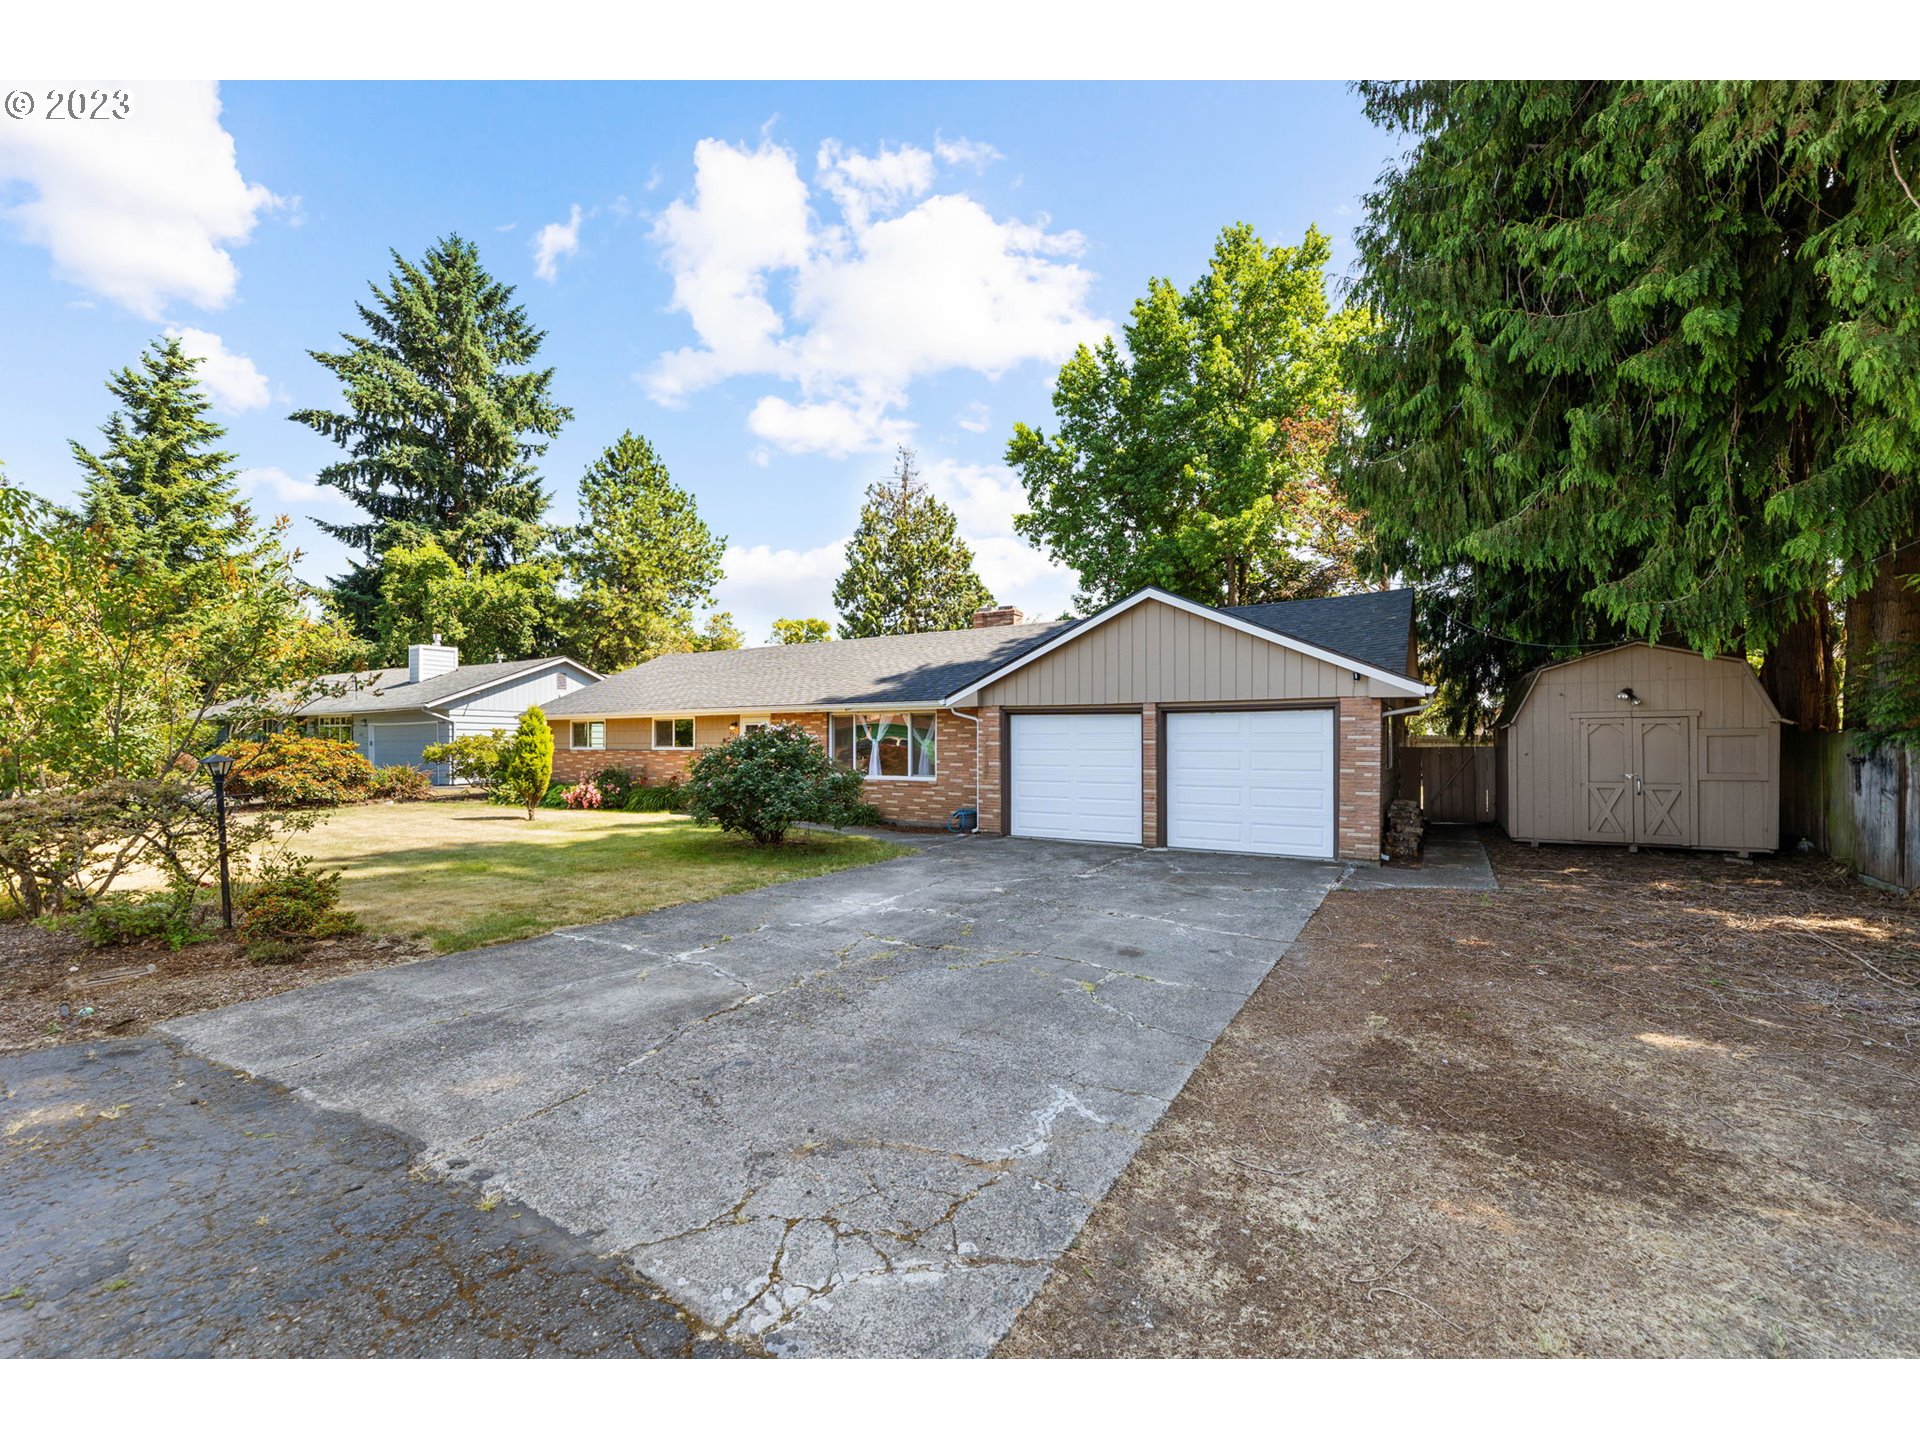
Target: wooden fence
[[1863, 809], [1452, 782]]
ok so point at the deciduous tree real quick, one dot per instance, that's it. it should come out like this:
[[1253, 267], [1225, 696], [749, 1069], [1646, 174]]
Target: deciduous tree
[[800, 632]]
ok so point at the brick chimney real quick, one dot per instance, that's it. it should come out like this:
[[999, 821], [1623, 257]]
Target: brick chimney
[[426, 661], [998, 615]]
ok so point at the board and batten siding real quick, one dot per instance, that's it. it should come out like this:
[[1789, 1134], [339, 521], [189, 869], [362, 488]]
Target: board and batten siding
[[1156, 654], [1735, 791]]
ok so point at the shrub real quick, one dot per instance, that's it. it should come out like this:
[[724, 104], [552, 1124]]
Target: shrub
[[62, 848], [655, 799], [763, 783], [474, 759], [584, 796], [401, 782], [294, 900], [526, 761], [168, 915], [276, 952], [615, 785], [294, 769]]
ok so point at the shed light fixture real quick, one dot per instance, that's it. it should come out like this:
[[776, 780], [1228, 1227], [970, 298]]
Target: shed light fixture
[[1627, 695]]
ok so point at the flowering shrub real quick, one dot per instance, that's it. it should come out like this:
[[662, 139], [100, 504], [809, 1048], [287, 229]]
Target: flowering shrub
[[584, 796], [292, 769]]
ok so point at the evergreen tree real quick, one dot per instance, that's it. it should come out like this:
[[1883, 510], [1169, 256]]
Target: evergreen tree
[[908, 571], [642, 560], [1649, 366], [1195, 458], [444, 421], [161, 486], [800, 632]]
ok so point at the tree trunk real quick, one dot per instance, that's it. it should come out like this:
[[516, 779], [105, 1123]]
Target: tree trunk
[[1799, 672], [1883, 637]]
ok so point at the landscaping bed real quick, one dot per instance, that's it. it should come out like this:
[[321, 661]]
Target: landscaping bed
[[1653, 1104]]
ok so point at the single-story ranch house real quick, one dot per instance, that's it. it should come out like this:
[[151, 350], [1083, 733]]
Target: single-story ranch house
[[393, 714], [1156, 721]]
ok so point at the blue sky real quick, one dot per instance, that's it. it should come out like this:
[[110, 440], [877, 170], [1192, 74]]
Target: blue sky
[[773, 282]]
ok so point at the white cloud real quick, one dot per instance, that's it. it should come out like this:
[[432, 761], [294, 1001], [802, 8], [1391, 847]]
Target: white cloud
[[976, 417], [985, 498], [142, 210], [257, 482], [552, 242], [851, 314], [234, 381], [764, 584], [974, 154]]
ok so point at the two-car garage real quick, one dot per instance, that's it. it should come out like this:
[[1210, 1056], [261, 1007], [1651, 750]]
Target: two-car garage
[[1255, 780]]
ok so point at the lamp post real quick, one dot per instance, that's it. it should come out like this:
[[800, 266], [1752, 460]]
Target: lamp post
[[218, 766]]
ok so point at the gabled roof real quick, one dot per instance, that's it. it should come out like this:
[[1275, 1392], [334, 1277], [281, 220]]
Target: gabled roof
[[1366, 633], [1381, 626], [826, 675], [371, 692], [1511, 711]]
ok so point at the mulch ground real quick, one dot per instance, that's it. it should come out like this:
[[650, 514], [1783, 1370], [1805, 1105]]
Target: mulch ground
[[1654, 1104], [43, 970]]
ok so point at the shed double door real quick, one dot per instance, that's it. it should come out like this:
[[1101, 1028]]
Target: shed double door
[[1635, 781]]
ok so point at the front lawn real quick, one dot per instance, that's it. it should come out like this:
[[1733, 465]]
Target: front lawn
[[462, 874]]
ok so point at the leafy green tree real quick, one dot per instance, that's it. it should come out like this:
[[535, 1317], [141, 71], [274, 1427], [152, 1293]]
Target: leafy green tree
[[526, 760], [719, 633], [641, 560], [764, 783], [444, 424], [161, 484], [908, 571], [510, 614], [800, 632], [1648, 366], [1195, 458]]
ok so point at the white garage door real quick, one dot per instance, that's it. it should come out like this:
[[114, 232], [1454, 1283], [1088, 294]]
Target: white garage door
[[1076, 777], [1254, 780]]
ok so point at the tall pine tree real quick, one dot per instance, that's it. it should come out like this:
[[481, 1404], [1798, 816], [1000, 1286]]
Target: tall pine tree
[[1649, 366], [908, 571], [641, 559], [444, 422], [161, 484]]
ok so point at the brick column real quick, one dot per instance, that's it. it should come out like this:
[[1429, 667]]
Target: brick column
[[992, 822], [1149, 775], [1362, 799]]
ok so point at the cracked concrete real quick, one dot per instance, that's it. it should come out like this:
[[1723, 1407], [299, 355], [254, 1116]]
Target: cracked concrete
[[855, 1115]]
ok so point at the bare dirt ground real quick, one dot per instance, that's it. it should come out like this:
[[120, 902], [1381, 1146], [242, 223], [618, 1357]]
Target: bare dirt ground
[[1655, 1104], [41, 969]]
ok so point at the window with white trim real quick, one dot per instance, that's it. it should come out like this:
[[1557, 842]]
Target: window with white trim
[[887, 745], [589, 734], [673, 734], [331, 727]]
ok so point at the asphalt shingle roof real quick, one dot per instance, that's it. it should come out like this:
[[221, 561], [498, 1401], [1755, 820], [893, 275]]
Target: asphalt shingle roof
[[919, 669], [1371, 626], [371, 692]]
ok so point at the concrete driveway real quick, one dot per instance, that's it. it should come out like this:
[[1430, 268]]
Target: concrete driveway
[[856, 1115]]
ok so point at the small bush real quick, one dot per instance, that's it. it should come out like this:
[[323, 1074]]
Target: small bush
[[168, 915], [655, 799], [615, 785], [471, 759], [293, 769], [526, 760], [294, 900], [276, 952], [584, 796], [765, 782], [401, 782]]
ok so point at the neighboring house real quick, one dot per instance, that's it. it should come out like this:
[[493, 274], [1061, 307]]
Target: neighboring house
[[1157, 721], [391, 715]]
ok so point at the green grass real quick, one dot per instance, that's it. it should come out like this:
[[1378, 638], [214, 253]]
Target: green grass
[[461, 874]]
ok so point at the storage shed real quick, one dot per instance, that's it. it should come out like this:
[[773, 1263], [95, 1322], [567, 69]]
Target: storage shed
[[1642, 745]]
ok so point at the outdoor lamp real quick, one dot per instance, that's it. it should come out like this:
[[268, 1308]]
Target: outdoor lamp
[[218, 767], [1627, 695]]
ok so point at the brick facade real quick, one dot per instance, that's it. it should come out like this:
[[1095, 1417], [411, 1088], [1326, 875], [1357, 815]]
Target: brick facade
[[1150, 774], [1362, 798]]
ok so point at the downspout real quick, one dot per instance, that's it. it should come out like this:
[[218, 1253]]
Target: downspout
[[1391, 714], [974, 720]]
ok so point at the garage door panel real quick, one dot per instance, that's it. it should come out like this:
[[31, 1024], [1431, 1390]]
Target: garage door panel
[[1075, 777], [1259, 781]]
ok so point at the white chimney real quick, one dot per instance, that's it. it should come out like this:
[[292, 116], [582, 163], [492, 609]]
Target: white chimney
[[426, 661]]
